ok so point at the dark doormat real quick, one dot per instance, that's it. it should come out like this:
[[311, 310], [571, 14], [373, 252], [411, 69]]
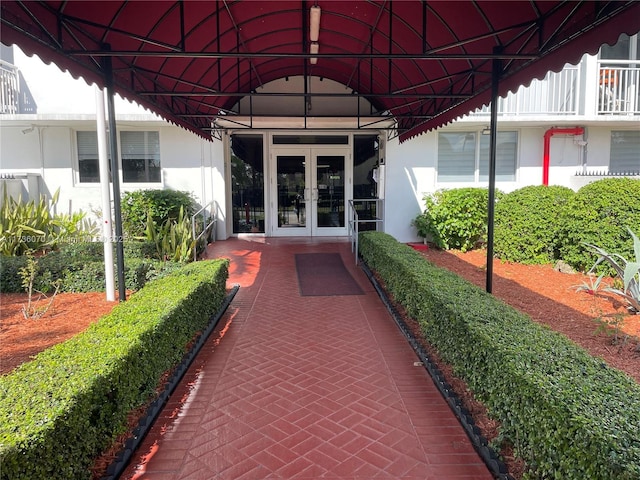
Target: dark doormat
[[324, 274]]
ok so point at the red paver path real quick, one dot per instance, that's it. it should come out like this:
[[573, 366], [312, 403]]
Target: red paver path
[[304, 387]]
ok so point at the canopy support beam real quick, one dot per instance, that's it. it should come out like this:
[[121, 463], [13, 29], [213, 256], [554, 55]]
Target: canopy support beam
[[496, 71], [115, 177]]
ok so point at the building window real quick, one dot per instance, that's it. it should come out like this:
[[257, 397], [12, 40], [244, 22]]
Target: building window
[[88, 168], [140, 157], [625, 152], [464, 157], [140, 153]]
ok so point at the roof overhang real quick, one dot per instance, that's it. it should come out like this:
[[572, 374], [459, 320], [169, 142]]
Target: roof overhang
[[424, 62], [314, 123]]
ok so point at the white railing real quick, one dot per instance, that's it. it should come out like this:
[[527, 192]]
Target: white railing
[[556, 94], [203, 224], [364, 211], [15, 96], [618, 87], [9, 88]]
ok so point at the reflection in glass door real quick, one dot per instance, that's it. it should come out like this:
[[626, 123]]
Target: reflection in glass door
[[291, 183], [309, 191], [329, 192]]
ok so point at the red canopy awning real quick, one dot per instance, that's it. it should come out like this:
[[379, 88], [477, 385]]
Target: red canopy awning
[[424, 62]]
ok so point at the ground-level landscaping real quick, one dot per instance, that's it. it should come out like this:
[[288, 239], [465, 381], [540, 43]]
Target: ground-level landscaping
[[537, 290], [558, 407], [64, 407], [549, 297]]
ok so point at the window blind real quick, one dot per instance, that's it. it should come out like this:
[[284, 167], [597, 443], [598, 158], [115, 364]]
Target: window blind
[[456, 157], [506, 154], [625, 152]]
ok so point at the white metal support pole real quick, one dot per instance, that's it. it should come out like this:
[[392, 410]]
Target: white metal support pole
[[115, 177], [105, 189]]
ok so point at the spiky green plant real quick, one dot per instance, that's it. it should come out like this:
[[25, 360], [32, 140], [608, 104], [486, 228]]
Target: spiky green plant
[[174, 238], [30, 226], [627, 271], [24, 226]]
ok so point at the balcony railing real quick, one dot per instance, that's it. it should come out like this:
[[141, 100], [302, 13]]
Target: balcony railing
[[563, 93], [618, 87], [15, 96], [556, 94], [9, 91]]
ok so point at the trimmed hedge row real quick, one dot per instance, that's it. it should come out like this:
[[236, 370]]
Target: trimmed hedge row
[[61, 409], [538, 224], [568, 414]]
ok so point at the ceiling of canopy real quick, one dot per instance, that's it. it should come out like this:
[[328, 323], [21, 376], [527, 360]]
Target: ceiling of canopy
[[422, 62]]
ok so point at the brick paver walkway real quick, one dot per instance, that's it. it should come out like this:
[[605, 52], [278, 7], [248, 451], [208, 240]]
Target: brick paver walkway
[[304, 387]]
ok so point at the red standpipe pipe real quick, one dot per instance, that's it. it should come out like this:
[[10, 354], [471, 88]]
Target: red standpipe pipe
[[547, 141]]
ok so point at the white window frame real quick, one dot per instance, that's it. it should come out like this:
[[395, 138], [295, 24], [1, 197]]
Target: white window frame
[[121, 172], [475, 137], [146, 151]]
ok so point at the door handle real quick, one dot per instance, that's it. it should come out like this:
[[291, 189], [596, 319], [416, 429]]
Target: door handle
[[306, 194], [315, 194]]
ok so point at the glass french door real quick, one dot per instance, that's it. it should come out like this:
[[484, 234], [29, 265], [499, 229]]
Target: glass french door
[[310, 190]]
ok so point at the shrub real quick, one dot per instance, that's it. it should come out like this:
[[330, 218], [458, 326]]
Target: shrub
[[142, 249], [28, 226], [455, 218], [526, 223], [628, 272], [599, 214], [81, 251], [173, 239], [137, 273], [91, 251], [567, 413], [61, 409], [162, 205], [10, 281], [80, 267]]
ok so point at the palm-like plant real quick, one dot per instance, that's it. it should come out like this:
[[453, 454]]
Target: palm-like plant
[[628, 271]]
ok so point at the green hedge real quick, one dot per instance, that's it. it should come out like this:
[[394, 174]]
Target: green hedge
[[161, 204], [95, 250], [10, 281], [568, 414], [526, 223], [600, 213], [81, 269], [455, 218], [61, 409]]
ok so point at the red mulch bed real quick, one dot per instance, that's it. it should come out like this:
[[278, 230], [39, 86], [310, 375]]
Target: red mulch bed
[[69, 314]]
